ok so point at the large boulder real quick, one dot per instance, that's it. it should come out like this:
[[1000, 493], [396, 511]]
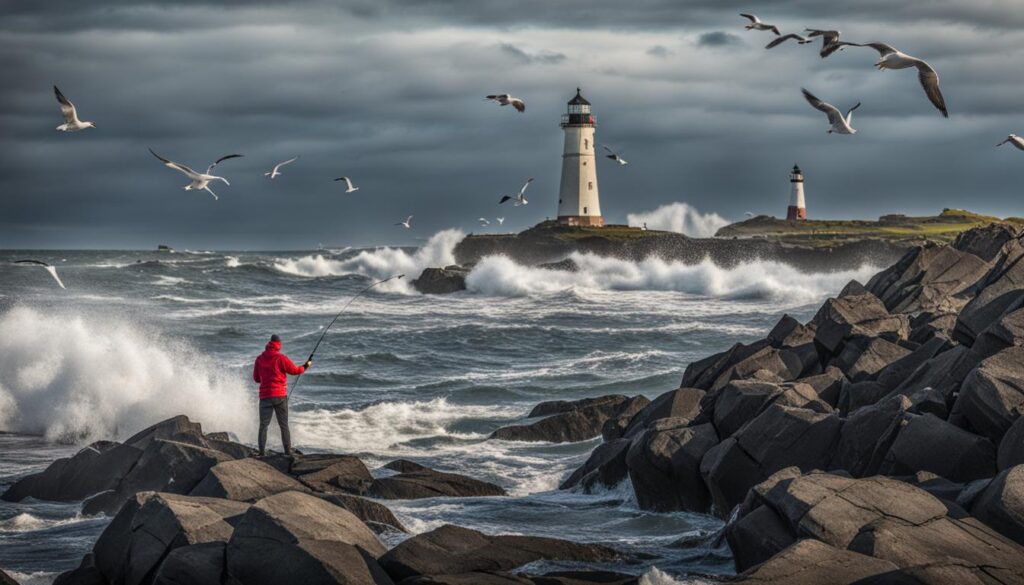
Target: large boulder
[[331, 473], [295, 537], [1001, 290], [894, 373], [441, 280], [757, 536], [703, 373], [789, 332], [450, 550], [428, 483], [826, 384], [992, 395], [812, 562], [377, 516], [1011, 448], [606, 467], [197, 564], [856, 395], [986, 242], [579, 422], [856, 315], [678, 403], [863, 357], [740, 401], [151, 525], [868, 434], [928, 443], [96, 468], [770, 363], [664, 468], [930, 278], [244, 480], [1001, 504]]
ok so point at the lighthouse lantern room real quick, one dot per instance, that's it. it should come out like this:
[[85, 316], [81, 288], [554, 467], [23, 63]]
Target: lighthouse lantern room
[[797, 207], [578, 203]]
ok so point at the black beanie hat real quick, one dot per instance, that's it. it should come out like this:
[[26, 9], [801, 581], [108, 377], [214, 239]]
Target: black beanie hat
[[275, 337]]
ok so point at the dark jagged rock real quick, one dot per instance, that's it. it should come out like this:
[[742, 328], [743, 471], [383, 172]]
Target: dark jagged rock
[[856, 395], [441, 280], [962, 456], [740, 401], [931, 278], [1001, 504], [332, 473], [376, 515], [987, 242], [897, 371], [96, 468], [405, 466], [827, 384], [244, 480], [664, 468], [789, 332], [197, 564], [298, 538], [703, 373], [1011, 448], [579, 421], [992, 395], [151, 525], [862, 358], [606, 466], [451, 550], [429, 483], [867, 435], [678, 403], [757, 536], [1001, 290], [552, 407], [812, 562], [860, 315]]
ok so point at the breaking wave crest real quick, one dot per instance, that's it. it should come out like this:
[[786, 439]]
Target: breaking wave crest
[[79, 378], [501, 276], [680, 218], [382, 262]]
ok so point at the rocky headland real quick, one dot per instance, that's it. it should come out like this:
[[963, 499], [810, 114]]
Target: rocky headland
[[880, 442]]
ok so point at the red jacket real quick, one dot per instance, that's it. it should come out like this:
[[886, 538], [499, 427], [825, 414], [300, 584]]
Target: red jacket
[[271, 371]]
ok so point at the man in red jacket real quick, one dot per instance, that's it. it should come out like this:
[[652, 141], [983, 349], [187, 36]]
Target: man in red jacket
[[271, 373]]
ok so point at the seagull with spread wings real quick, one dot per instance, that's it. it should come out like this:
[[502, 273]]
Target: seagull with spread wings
[[71, 121], [407, 223], [483, 221], [756, 24], [349, 187], [52, 270], [276, 172], [1015, 140], [199, 180], [891, 58], [519, 198], [830, 42], [505, 99], [839, 123], [779, 40], [614, 156]]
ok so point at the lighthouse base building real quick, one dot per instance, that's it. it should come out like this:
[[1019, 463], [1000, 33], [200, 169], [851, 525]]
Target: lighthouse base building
[[797, 206], [578, 203]]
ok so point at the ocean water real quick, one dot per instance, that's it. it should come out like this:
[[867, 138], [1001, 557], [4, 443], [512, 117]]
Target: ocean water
[[140, 336]]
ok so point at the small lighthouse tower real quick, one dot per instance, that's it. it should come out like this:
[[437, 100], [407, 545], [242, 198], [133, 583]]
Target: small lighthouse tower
[[578, 203], [797, 207]]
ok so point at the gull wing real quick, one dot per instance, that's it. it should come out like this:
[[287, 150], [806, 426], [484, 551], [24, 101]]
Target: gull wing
[[750, 17], [221, 159], [525, 185], [833, 113], [518, 104], [504, 198], [930, 82], [176, 166], [779, 40], [882, 48], [52, 270], [67, 109]]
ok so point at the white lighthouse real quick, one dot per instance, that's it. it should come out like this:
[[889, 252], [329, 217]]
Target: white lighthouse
[[797, 207], [578, 203]]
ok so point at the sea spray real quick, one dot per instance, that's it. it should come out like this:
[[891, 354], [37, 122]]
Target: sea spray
[[775, 281], [680, 218], [381, 262], [77, 378]]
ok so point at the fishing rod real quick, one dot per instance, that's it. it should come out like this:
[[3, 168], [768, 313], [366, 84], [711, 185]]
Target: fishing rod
[[324, 334]]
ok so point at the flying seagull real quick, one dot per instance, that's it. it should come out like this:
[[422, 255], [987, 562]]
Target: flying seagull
[[756, 24], [349, 187], [71, 121], [501, 220], [52, 270], [277, 168], [1014, 140], [407, 223], [839, 124], [199, 180], [891, 58], [520, 198], [748, 213], [779, 40], [830, 42], [505, 99], [483, 222], [614, 156]]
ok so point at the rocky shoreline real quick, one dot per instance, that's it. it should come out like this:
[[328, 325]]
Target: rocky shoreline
[[880, 442]]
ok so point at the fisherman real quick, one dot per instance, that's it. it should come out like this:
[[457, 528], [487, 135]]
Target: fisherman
[[271, 373]]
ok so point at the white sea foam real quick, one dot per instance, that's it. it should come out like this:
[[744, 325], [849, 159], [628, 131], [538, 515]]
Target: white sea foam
[[26, 522], [83, 377], [680, 218], [232, 261], [381, 262], [35, 578], [500, 276], [658, 577]]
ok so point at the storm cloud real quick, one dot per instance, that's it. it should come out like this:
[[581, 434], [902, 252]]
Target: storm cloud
[[390, 92]]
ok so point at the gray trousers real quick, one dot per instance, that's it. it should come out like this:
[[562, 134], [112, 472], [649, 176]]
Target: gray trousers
[[274, 407]]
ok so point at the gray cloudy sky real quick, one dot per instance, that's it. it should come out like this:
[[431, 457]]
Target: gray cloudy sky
[[389, 93]]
